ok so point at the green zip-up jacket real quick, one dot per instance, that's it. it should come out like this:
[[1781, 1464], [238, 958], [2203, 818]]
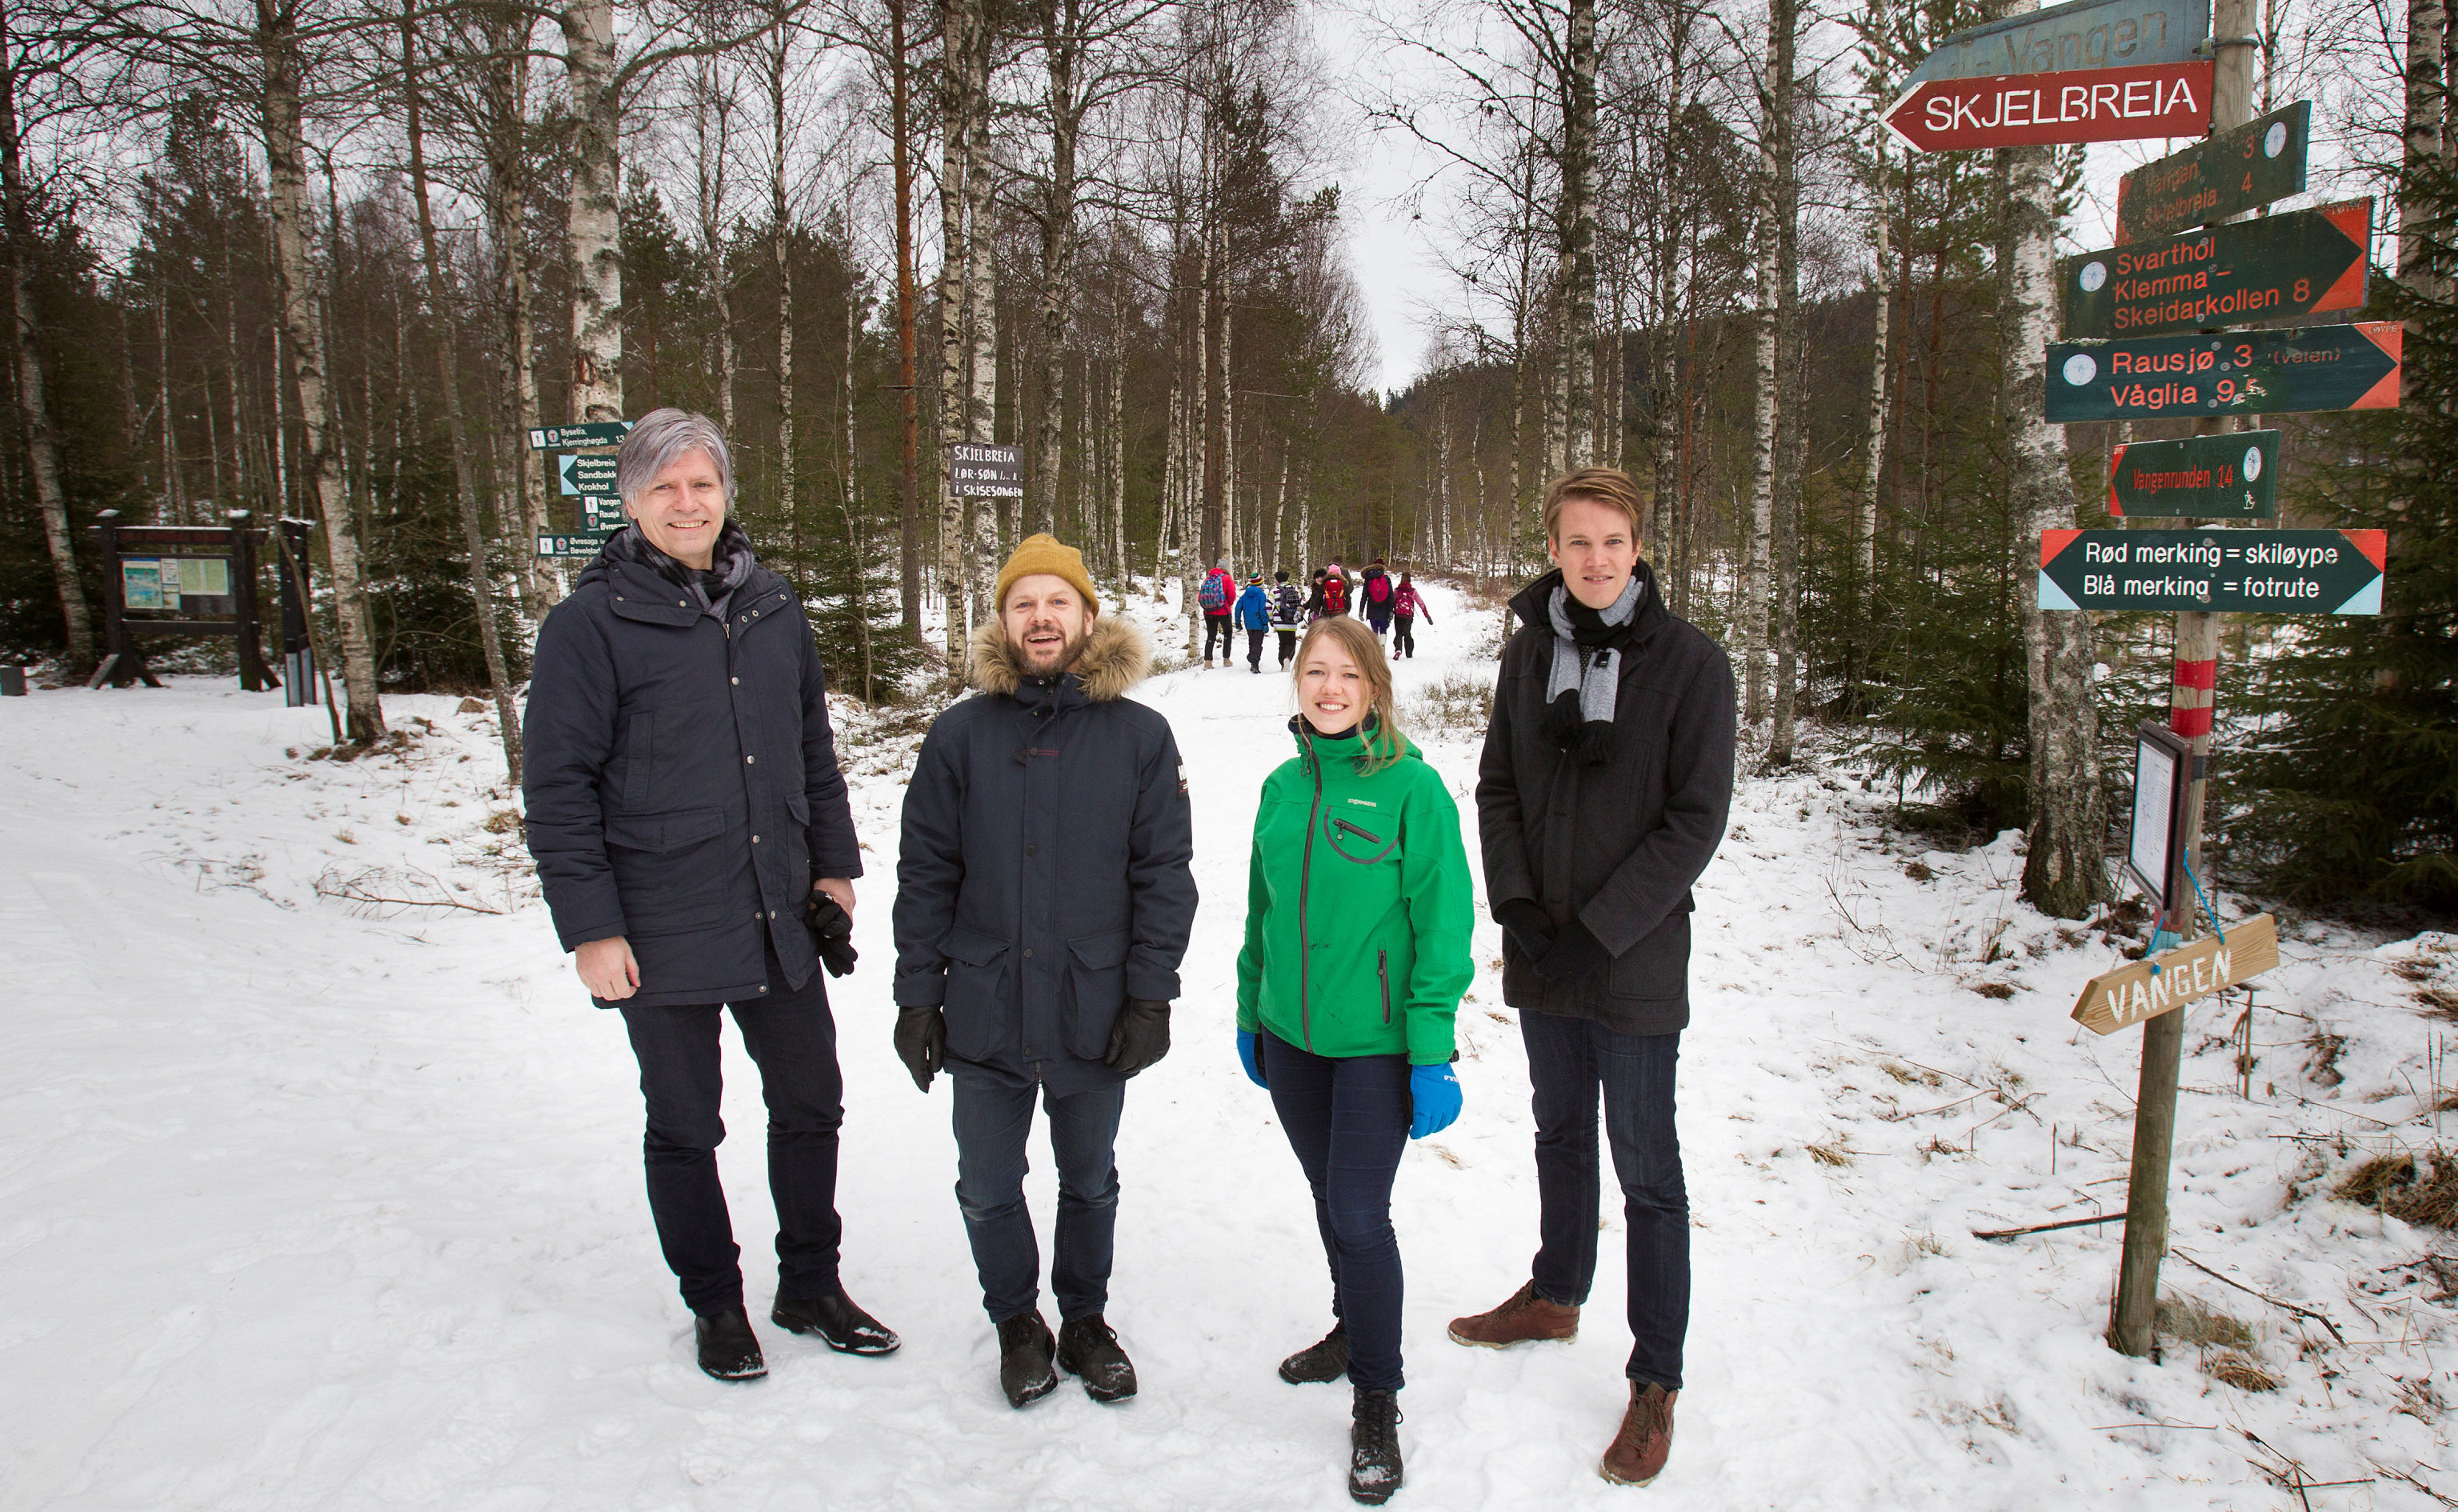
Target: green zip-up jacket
[[1363, 878]]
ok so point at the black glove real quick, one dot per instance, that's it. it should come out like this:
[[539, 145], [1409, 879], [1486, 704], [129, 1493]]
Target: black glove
[[832, 931], [921, 1042], [1529, 927], [1139, 1038], [1575, 954]]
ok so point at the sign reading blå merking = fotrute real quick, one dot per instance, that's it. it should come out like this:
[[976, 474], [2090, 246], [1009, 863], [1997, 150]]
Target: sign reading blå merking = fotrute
[[2237, 169], [2303, 262], [2147, 988], [2092, 105], [979, 471], [2214, 569], [2230, 476], [2311, 367], [2085, 34]]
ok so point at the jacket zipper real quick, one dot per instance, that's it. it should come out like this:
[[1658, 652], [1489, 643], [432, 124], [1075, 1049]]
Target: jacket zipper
[[1383, 969], [1305, 885]]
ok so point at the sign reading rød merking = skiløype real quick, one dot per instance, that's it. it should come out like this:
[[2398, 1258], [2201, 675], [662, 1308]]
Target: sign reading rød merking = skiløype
[[2256, 372], [2028, 110], [2214, 568], [2303, 262]]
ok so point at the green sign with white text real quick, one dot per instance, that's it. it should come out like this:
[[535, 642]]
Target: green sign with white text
[[2224, 174], [2230, 476], [2215, 569]]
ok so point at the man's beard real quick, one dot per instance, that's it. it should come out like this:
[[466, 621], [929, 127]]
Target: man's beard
[[1069, 647]]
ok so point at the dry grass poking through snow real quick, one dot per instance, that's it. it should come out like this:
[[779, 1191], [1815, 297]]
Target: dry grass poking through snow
[[1456, 705], [2393, 1184]]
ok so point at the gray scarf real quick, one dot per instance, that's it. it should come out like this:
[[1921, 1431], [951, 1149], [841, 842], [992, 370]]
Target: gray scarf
[[1593, 670]]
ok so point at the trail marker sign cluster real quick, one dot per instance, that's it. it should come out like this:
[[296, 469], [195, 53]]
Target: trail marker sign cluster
[[580, 464]]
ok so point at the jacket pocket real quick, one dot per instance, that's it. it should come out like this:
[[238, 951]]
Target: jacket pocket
[[1096, 989], [1657, 969], [1356, 843], [637, 732], [671, 870], [1383, 970], [975, 1003], [797, 838]]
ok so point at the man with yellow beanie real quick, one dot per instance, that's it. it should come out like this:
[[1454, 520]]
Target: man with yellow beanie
[[1044, 899]]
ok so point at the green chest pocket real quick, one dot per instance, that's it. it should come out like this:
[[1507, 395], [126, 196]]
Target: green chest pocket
[[1356, 842]]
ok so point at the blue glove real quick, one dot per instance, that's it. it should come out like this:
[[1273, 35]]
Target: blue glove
[[1436, 1093], [1247, 1057]]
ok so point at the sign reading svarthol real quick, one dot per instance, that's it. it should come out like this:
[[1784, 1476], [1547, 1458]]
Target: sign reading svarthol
[[2262, 571]]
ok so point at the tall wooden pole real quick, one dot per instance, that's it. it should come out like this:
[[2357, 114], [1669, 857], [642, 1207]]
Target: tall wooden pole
[[2133, 1328]]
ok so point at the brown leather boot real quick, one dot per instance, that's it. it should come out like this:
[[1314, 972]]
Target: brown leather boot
[[1525, 1316], [1637, 1454]]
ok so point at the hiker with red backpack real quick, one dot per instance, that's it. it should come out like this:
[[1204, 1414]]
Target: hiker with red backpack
[[1216, 595], [1374, 596], [1335, 590], [1406, 604]]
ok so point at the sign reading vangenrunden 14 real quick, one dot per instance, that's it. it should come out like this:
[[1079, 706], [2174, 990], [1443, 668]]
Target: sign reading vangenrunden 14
[[2215, 569]]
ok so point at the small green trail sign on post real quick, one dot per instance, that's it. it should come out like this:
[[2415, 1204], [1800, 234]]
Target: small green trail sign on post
[[579, 474], [590, 433], [2215, 570], [2232, 172], [2240, 372], [2303, 262], [2230, 476]]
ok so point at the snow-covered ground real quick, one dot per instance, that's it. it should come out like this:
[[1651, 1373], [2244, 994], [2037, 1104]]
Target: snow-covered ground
[[313, 1200]]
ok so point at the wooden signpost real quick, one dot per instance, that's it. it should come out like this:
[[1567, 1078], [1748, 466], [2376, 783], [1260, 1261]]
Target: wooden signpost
[[179, 580], [2088, 104], [2233, 475], [2303, 262], [2144, 989], [2242, 168]]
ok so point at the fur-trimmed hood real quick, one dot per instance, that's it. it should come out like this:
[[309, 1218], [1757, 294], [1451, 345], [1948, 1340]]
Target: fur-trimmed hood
[[1116, 655]]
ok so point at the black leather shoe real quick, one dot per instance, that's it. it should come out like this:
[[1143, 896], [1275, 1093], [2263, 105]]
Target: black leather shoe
[[1025, 1350], [1323, 1360], [1088, 1347], [728, 1349], [840, 1324]]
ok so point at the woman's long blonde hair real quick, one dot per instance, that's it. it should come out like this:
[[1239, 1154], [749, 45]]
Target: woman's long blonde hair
[[1380, 741]]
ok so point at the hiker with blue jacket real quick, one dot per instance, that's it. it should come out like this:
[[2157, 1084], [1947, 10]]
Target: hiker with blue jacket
[[1253, 616], [698, 854], [1348, 986]]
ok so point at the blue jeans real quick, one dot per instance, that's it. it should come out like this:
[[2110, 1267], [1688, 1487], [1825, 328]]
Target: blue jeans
[[1569, 1061], [1347, 1119], [793, 1039], [993, 1120]]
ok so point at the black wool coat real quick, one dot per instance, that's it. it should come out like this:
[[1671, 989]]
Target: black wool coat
[[681, 780], [1044, 874], [1615, 845]]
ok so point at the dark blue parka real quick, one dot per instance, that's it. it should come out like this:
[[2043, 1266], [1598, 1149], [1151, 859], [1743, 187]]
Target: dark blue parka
[[681, 777], [1044, 875]]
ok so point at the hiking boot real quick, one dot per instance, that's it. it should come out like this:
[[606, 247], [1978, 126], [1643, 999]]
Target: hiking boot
[[1374, 1447], [728, 1349], [839, 1323], [1637, 1453], [1325, 1360], [1525, 1316], [1088, 1347], [1025, 1350]]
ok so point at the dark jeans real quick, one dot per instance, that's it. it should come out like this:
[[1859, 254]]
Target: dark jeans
[[1347, 1119], [1288, 646], [993, 1120], [1255, 648], [1218, 626], [1569, 1061], [792, 1038], [1378, 616], [1404, 634]]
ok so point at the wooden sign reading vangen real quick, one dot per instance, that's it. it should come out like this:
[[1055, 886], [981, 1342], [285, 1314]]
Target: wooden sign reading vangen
[[2148, 988]]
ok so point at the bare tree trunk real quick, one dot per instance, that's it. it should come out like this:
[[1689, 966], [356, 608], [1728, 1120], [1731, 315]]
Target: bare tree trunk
[[1117, 414], [982, 236], [713, 106], [448, 358], [908, 407], [2065, 873], [1865, 515], [2428, 106], [507, 89], [1577, 326], [595, 214], [961, 27], [1758, 527], [42, 439], [780, 248], [1062, 45], [286, 177], [1790, 435]]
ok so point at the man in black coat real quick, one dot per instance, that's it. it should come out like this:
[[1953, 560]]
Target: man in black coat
[[1601, 795], [685, 811], [1042, 901]]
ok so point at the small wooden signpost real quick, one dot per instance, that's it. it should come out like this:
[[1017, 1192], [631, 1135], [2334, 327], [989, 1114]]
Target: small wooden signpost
[[2146, 988]]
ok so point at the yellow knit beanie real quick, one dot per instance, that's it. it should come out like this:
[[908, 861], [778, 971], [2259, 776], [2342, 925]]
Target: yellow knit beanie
[[1043, 554]]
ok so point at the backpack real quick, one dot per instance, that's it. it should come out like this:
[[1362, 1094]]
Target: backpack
[[1213, 594], [1292, 605], [1378, 587], [1335, 595]]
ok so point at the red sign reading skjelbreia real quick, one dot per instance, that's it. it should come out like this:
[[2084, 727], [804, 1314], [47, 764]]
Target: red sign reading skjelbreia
[[2026, 109]]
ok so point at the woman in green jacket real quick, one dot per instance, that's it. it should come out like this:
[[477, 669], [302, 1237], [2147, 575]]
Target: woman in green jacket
[[1357, 951]]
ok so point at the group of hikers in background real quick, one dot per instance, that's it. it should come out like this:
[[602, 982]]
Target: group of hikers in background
[[1391, 607], [695, 845]]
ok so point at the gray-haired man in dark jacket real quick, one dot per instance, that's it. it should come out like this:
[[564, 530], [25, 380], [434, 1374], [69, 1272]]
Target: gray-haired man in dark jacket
[[1601, 795], [1043, 901], [685, 810]]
